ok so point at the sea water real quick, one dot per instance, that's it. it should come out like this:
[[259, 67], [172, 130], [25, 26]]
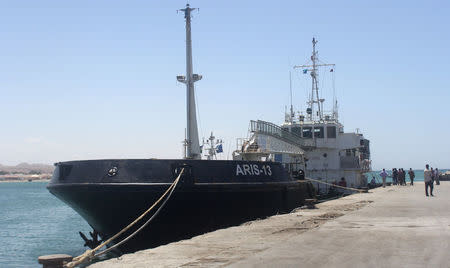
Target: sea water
[[34, 223], [417, 172]]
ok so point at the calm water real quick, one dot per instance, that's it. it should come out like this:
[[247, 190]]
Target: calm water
[[33, 223]]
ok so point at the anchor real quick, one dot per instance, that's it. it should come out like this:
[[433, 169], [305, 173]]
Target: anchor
[[91, 243]]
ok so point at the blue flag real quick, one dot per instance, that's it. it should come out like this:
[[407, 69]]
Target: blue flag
[[305, 71], [219, 148]]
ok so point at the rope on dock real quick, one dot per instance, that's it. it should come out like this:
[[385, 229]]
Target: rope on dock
[[90, 254], [338, 186]]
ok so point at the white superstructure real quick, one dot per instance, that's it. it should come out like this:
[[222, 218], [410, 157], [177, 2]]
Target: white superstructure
[[330, 153], [314, 142]]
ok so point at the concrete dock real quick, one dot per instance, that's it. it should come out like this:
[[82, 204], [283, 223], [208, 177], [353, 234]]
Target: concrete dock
[[396, 226]]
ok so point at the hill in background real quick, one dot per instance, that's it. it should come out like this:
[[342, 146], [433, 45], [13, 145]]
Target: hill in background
[[25, 168]]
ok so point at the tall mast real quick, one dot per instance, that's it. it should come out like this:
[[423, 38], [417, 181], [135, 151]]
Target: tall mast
[[291, 116], [192, 143], [314, 98], [315, 87]]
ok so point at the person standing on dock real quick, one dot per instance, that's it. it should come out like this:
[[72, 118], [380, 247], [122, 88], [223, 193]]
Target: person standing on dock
[[436, 176], [427, 178], [400, 176], [412, 175], [383, 176], [394, 176], [432, 174]]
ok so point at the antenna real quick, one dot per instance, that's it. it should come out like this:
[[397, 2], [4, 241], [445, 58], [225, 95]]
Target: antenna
[[314, 74], [290, 89], [335, 106], [315, 85], [214, 147]]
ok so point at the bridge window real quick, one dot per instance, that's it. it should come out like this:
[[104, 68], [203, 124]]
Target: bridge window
[[318, 132], [331, 132], [297, 130], [307, 132]]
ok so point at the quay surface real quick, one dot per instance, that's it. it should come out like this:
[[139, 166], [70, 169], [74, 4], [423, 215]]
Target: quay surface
[[396, 226]]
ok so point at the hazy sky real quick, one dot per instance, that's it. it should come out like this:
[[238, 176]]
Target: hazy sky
[[96, 79]]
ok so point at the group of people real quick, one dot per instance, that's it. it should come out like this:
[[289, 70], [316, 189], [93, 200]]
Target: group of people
[[398, 176], [430, 176]]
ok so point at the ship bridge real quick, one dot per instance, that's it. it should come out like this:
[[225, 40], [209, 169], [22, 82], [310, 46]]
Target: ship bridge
[[313, 135]]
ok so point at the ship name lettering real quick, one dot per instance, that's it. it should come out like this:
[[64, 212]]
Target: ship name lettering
[[255, 170]]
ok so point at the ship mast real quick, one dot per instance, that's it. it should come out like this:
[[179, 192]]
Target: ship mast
[[315, 86], [192, 146], [291, 116]]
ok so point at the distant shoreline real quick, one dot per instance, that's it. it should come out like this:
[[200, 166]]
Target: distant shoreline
[[37, 180]]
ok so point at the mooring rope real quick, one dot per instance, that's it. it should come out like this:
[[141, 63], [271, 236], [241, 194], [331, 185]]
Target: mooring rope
[[89, 254], [139, 229], [338, 186]]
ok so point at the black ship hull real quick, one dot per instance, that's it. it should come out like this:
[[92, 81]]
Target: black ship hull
[[109, 194]]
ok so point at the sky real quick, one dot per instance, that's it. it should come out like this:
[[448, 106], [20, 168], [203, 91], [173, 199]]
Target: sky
[[97, 79]]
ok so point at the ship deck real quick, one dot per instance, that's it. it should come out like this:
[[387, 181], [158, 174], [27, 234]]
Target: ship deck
[[388, 227]]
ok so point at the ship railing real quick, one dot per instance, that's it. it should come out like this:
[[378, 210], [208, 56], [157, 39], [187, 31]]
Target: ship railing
[[240, 143], [273, 130], [365, 164]]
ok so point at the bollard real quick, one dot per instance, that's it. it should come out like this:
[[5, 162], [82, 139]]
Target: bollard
[[54, 261]]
